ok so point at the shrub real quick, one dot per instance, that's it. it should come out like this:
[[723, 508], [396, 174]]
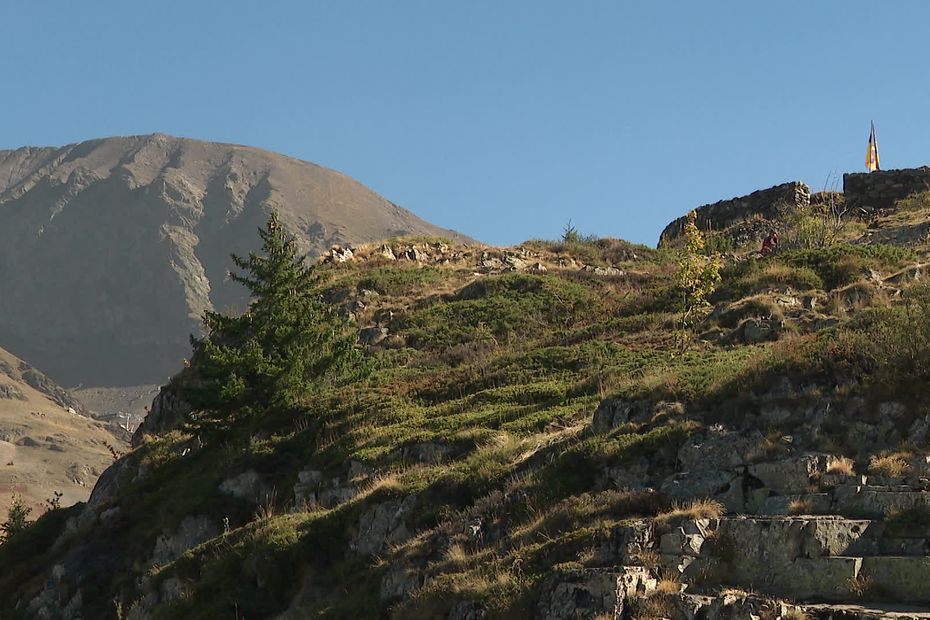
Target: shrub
[[896, 343], [17, 518], [757, 275], [839, 265]]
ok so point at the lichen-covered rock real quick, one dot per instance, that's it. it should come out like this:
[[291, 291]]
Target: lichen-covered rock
[[384, 524], [249, 485], [624, 544], [399, 582], [718, 449], [574, 594], [192, 531]]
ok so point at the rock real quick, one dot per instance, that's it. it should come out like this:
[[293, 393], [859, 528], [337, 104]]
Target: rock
[[515, 263], [110, 482], [467, 610], [774, 416], [168, 411], [11, 392], [806, 504], [892, 411], [371, 336], [624, 543], [384, 524], [759, 330], [794, 475], [602, 271], [399, 582], [724, 486], [386, 252], [589, 593], [413, 254], [425, 452], [718, 449], [191, 532], [613, 412], [248, 485], [629, 476], [339, 254], [172, 589]]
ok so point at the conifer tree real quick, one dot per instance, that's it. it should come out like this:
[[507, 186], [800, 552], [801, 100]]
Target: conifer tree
[[285, 346]]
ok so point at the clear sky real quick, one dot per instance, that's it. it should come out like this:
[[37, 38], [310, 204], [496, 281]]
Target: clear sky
[[499, 118]]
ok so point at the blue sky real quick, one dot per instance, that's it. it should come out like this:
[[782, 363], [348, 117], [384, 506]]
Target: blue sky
[[499, 118]]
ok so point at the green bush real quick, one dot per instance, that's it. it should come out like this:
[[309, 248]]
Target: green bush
[[758, 275], [843, 264]]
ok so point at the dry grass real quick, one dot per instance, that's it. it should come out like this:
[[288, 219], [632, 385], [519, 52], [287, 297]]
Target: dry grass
[[800, 506], [695, 509], [861, 586], [656, 606], [842, 466], [456, 554], [268, 508], [648, 558], [795, 613], [893, 465], [668, 585], [735, 592]]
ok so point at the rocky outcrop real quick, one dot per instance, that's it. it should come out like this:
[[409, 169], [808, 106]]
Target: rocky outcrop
[[112, 249], [770, 204], [384, 524], [168, 411]]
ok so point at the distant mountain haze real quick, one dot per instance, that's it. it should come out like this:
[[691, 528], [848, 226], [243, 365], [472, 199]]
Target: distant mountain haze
[[112, 249]]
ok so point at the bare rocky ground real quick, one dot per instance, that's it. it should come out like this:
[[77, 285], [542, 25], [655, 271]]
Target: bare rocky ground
[[123, 407]]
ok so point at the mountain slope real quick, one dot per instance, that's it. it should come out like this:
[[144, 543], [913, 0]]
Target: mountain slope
[[110, 250], [532, 442], [46, 445]]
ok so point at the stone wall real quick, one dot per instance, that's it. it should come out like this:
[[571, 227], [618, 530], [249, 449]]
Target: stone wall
[[766, 203], [880, 189]]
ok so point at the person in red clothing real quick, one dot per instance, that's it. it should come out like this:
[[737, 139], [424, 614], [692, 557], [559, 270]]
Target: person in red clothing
[[770, 243]]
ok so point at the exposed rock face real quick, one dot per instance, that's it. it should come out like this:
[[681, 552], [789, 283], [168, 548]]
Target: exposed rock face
[[768, 203], [112, 249]]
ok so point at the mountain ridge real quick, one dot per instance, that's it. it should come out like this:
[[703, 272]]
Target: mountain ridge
[[128, 239]]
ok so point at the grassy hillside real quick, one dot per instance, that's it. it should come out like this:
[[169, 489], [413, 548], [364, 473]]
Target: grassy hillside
[[521, 404]]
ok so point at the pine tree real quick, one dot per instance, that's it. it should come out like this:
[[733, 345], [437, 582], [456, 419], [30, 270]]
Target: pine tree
[[287, 345]]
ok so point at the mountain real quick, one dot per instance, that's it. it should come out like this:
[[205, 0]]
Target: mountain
[[47, 444], [111, 250]]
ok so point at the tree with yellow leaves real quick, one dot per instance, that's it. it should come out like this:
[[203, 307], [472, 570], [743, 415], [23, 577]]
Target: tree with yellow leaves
[[697, 278]]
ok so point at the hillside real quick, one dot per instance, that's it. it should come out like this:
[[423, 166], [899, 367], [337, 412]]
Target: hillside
[[47, 442], [112, 249], [533, 442]]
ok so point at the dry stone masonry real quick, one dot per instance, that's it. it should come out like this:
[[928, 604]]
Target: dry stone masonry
[[881, 189], [766, 203]]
